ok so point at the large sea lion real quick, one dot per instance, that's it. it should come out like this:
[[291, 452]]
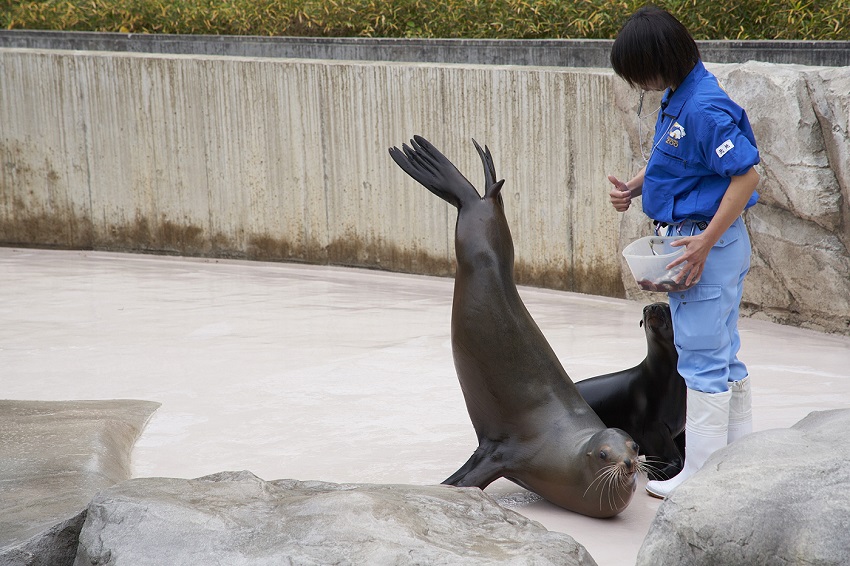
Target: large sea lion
[[647, 401], [533, 427]]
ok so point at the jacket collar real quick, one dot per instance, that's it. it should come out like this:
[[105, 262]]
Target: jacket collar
[[673, 101]]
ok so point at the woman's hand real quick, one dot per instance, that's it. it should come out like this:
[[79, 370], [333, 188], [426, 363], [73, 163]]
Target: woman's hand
[[621, 195], [696, 252]]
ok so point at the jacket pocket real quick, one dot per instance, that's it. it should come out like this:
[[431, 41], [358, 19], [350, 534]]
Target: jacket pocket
[[669, 161]]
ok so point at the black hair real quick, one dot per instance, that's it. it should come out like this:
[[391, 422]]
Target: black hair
[[653, 45]]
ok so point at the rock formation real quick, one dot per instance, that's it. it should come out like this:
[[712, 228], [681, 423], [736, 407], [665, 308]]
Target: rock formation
[[236, 518], [54, 456], [778, 497]]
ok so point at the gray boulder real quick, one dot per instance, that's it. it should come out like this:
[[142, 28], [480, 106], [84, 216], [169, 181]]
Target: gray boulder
[[777, 497], [54, 456], [798, 231], [236, 518]]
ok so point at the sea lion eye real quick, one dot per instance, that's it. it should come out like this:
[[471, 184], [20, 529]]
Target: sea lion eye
[[603, 454], [635, 447]]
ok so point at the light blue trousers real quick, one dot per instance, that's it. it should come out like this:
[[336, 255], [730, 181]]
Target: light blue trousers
[[705, 317]]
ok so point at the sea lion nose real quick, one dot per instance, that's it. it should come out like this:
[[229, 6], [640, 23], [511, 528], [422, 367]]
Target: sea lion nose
[[628, 463]]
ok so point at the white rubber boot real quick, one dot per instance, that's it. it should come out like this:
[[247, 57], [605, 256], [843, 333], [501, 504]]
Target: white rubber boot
[[740, 410], [706, 430]]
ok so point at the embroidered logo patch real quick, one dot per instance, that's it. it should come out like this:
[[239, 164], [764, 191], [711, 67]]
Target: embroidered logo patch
[[676, 132], [723, 148]]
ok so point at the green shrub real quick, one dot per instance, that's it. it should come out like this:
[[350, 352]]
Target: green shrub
[[497, 19]]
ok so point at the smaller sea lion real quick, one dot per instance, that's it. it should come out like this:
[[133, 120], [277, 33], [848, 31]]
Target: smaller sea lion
[[647, 401]]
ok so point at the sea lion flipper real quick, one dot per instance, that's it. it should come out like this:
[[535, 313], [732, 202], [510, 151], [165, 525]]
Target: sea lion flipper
[[492, 187], [434, 171], [479, 471], [487, 160]]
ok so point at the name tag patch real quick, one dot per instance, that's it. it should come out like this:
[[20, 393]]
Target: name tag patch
[[724, 148]]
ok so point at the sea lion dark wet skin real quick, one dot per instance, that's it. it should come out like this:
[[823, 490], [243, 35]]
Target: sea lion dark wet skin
[[647, 401], [532, 425]]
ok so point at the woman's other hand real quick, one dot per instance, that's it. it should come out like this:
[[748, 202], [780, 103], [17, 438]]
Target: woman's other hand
[[621, 195]]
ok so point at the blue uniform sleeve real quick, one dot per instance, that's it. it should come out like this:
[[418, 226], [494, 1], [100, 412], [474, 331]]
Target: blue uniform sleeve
[[729, 145]]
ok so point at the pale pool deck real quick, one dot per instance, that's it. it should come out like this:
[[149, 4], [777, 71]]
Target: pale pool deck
[[326, 373]]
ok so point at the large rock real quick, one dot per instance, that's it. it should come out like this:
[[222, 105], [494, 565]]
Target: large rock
[[828, 89], [798, 266], [795, 164], [777, 497], [54, 456], [236, 518], [799, 230]]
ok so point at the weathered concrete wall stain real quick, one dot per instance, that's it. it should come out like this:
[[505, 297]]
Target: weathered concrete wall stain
[[286, 160]]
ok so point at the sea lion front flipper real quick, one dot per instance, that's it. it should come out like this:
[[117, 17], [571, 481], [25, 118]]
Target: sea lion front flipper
[[480, 470], [434, 171]]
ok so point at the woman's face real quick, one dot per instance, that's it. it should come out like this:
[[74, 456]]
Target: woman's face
[[656, 84]]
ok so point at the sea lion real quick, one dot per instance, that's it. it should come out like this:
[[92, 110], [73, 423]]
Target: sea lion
[[533, 427], [647, 401]]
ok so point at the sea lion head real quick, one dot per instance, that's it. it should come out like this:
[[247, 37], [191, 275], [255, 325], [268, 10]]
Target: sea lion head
[[658, 322], [612, 460]]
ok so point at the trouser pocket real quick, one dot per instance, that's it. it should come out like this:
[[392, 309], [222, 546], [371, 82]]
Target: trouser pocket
[[697, 318]]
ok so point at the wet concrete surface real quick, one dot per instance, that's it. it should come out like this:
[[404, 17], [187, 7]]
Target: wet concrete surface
[[327, 373]]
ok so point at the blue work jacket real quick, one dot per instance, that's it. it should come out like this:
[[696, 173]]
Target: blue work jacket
[[702, 139]]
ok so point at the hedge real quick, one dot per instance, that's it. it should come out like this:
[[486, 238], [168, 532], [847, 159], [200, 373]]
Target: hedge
[[493, 19]]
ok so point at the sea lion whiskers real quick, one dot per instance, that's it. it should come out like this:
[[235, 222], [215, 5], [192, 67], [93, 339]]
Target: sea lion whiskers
[[620, 470], [624, 477], [600, 474], [648, 466], [611, 478], [612, 475]]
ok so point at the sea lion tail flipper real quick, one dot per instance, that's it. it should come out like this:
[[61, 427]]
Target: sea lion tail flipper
[[434, 171], [492, 187], [479, 471]]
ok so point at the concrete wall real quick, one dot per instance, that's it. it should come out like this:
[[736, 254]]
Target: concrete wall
[[548, 52], [285, 159]]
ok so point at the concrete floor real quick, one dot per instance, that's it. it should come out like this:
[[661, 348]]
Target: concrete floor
[[342, 375]]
